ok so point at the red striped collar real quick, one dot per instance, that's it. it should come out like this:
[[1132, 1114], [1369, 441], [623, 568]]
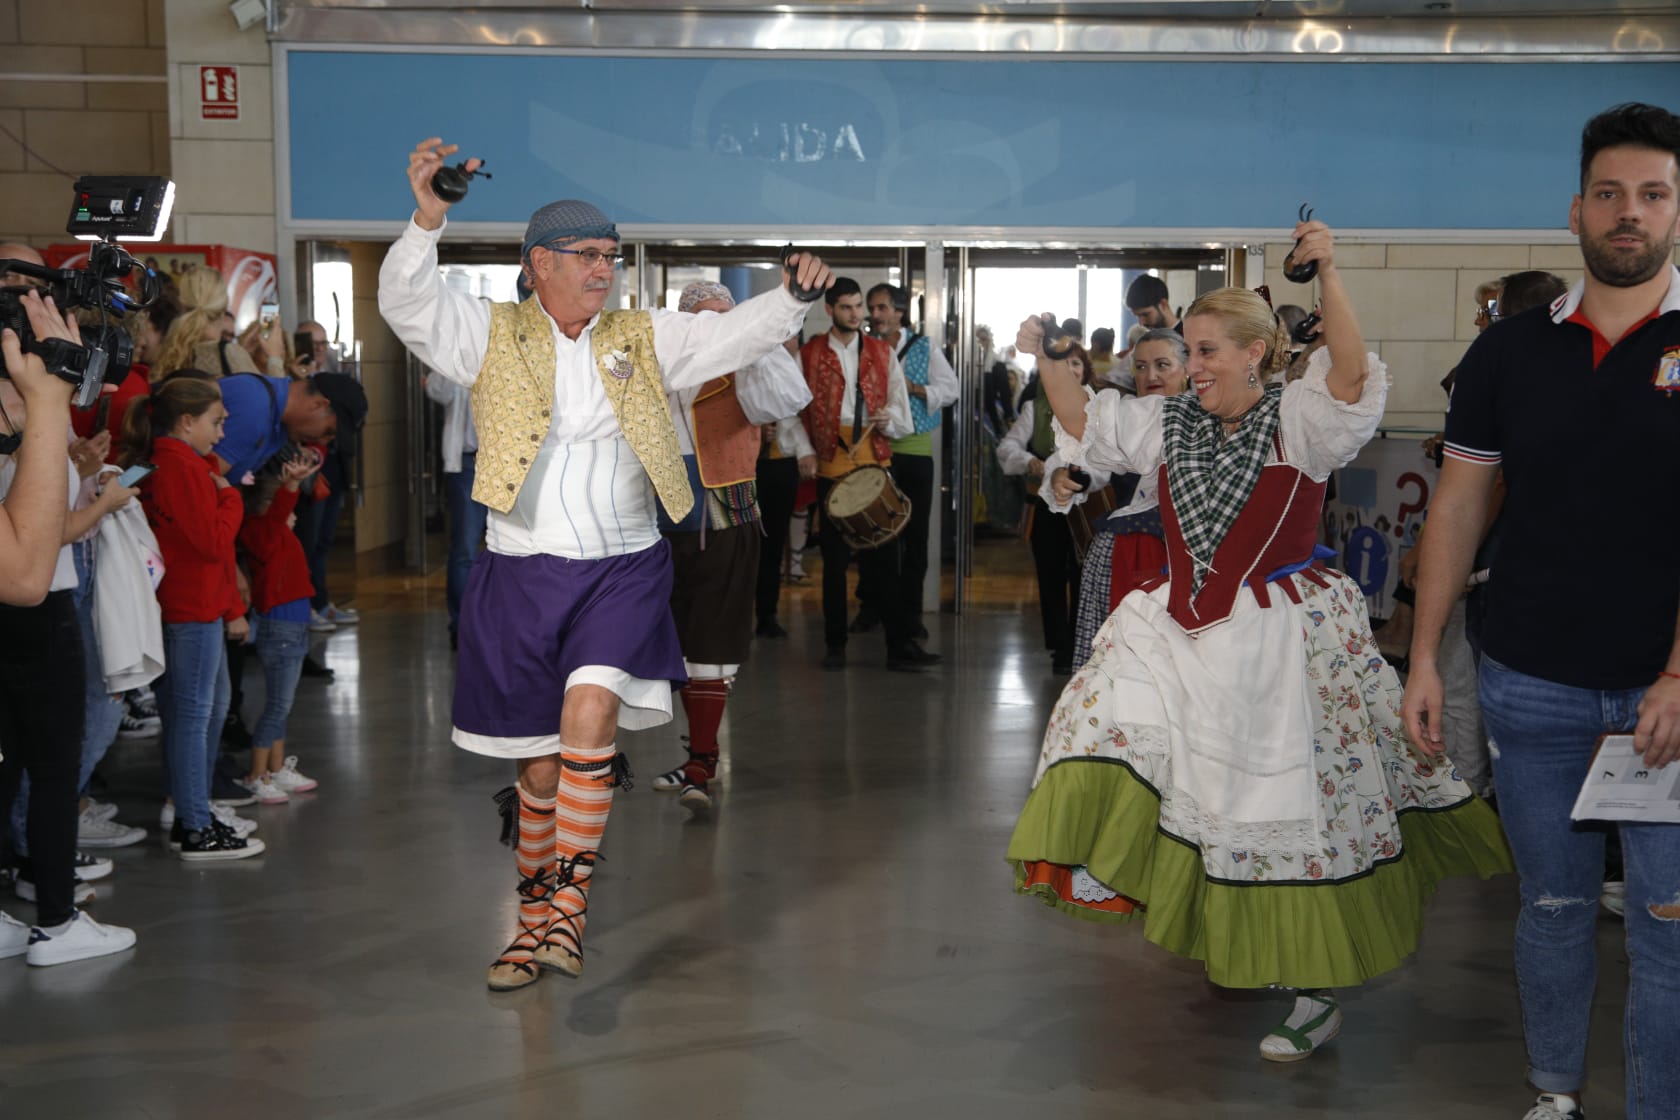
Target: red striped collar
[[1567, 309], [1565, 306]]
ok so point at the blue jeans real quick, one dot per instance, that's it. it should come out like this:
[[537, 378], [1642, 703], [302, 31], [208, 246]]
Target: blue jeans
[[317, 525], [193, 696], [282, 647], [1541, 737], [467, 520], [102, 712]]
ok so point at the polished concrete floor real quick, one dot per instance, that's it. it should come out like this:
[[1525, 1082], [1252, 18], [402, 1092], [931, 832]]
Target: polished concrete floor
[[838, 941]]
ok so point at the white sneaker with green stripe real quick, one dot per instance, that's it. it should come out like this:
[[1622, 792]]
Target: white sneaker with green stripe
[[1315, 1020]]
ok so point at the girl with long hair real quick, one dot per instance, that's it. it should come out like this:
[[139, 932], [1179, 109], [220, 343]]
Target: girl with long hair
[[195, 515]]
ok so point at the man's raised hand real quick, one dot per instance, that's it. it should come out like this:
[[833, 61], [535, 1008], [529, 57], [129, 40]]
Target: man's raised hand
[[807, 271], [423, 163]]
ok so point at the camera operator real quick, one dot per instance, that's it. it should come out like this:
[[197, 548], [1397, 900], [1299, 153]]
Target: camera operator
[[32, 513]]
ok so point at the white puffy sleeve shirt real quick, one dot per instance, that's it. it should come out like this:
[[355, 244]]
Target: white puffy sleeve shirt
[[586, 496], [1320, 433], [769, 390], [942, 387]]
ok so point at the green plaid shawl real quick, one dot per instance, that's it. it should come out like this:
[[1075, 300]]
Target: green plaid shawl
[[1212, 476]]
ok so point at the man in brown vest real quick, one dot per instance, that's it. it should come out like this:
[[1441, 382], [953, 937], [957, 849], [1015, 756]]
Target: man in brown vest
[[566, 631], [857, 386], [714, 550]]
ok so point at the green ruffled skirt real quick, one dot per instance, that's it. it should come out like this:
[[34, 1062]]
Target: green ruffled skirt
[[1107, 834]]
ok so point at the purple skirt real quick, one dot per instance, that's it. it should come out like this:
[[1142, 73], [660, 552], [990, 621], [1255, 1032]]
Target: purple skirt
[[529, 622]]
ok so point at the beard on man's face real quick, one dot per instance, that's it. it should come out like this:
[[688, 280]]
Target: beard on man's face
[[1625, 267]]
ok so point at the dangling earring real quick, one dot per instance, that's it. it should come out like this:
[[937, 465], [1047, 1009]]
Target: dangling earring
[[1252, 382]]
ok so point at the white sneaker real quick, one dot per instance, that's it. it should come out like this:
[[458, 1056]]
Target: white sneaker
[[290, 779], [342, 616], [266, 790], [319, 623], [242, 826], [89, 868], [1614, 897], [25, 889], [1555, 1106], [77, 940], [99, 810], [14, 937], [105, 832]]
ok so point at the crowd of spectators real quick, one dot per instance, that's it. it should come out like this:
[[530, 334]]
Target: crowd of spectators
[[202, 489]]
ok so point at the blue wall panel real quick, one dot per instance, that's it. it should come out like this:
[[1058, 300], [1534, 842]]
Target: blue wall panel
[[968, 143]]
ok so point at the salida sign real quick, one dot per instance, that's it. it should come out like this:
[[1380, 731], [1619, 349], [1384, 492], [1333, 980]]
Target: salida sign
[[219, 92]]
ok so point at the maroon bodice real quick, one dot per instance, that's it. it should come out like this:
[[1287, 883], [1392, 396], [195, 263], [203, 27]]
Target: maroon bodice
[[1277, 527]]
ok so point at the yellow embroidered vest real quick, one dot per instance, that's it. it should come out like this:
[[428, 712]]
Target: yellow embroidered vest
[[513, 401]]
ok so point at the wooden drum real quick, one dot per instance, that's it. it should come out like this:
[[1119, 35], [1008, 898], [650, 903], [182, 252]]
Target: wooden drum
[[867, 508]]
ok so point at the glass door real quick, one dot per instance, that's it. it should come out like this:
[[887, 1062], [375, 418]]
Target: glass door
[[989, 290]]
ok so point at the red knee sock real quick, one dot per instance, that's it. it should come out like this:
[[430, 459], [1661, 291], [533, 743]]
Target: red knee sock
[[703, 702]]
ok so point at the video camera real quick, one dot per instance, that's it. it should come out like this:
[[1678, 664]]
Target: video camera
[[107, 209]]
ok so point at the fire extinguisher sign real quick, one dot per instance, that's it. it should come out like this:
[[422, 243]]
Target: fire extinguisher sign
[[218, 88]]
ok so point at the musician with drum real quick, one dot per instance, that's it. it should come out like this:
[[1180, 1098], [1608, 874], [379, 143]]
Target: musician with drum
[[859, 403]]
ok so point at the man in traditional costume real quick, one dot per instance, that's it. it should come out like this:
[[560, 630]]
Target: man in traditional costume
[[566, 627], [714, 550], [859, 404]]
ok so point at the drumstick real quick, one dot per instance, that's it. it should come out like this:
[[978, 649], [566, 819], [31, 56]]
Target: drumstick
[[868, 430]]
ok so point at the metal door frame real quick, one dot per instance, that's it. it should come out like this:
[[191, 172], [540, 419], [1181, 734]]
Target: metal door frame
[[968, 257]]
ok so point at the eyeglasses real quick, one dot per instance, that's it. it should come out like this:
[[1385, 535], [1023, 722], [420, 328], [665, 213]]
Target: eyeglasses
[[592, 258]]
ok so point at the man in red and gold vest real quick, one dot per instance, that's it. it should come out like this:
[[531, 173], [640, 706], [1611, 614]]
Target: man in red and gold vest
[[857, 386]]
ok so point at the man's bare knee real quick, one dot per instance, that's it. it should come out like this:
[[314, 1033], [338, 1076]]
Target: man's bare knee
[[540, 777], [589, 717]]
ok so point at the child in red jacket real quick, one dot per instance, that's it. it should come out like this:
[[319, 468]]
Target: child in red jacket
[[195, 515], [280, 594]]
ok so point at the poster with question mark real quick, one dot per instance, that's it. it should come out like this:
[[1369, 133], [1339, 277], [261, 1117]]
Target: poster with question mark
[[1381, 499]]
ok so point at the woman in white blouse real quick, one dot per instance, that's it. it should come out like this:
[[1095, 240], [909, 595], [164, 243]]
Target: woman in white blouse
[[1230, 766]]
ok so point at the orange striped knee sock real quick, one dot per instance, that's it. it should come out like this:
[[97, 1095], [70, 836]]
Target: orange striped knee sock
[[587, 781], [534, 857]]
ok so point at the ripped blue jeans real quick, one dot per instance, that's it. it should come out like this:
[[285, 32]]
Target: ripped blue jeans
[[1541, 735]]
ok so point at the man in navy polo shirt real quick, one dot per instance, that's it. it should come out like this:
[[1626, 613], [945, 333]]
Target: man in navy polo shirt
[[266, 413], [1579, 403]]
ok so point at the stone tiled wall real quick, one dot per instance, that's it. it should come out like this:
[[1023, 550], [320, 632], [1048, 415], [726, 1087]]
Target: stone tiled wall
[[64, 125], [1416, 306], [224, 170]]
